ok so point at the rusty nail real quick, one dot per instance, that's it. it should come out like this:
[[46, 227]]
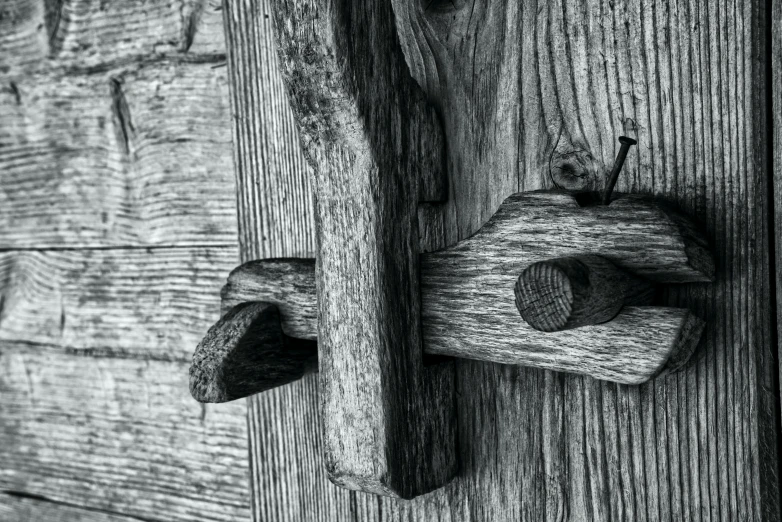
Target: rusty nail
[[618, 164]]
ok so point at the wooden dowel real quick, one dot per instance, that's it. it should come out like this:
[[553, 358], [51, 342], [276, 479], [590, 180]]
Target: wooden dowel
[[569, 292], [246, 352]]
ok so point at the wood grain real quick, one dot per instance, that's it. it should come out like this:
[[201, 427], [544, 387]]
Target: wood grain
[[388, 421], [685, 78], [776, 161], [122, 158], [114, 137], [120, 435], [151, 304], [22, 509], [81, 34]]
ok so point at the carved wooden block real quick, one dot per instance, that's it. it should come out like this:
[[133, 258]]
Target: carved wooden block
[[468, 312]]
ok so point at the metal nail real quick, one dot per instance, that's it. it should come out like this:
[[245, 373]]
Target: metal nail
[[618, 164]]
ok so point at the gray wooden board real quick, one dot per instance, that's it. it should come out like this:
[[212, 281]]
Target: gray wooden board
[[152, 304], [687, 80], [94, 404], [35, 33], [136, 155], [38, 509], [117, 227], [776, 162], [120, 435]]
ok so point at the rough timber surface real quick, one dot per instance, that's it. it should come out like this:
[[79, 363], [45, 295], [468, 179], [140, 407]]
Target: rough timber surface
[[687, 80], [117, 227], [138, 155], [15, 508], [118, 434], [153, 304]]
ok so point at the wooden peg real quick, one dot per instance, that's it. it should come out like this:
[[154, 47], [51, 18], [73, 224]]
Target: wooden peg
[[568, 292], [246, 352]]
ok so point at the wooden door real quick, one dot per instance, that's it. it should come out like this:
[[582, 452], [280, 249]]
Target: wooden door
[[533, 94]]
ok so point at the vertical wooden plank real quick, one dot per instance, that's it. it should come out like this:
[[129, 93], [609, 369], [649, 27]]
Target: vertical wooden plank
[[775, 100]]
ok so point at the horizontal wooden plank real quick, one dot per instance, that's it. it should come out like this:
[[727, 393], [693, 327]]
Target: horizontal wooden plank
[[139, 155], [14, 508], [119, 435], [75, 33], [146, 303], [635, 346], [23, 37]]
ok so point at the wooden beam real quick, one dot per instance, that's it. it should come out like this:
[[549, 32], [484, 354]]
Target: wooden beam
[[23, 508], [153, 304], [388, 420], [38, 34], [120, 435], [125, 157]]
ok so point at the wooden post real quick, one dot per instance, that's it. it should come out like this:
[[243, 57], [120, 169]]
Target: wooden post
[[389, 424]]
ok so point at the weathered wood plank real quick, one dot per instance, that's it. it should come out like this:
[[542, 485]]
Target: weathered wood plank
[[776, 162], [24, 509], [687, 80], [154, 304], [82, 34], [119, 435], [638, 344], [134, 156]]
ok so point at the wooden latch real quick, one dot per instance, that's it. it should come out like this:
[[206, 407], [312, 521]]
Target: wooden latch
[[383, 314], [548, 282]]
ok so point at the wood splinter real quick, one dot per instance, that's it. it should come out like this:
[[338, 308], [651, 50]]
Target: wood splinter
[[569, 292]]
